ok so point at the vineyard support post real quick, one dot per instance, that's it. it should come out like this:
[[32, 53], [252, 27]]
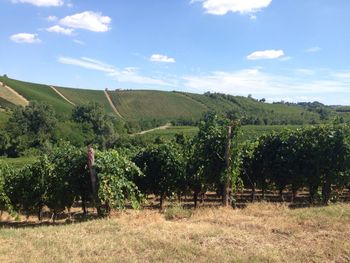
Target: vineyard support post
[[94, 179], [226, 196]]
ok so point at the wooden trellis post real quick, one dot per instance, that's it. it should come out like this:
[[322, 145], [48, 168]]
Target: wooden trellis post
[[226, 196]]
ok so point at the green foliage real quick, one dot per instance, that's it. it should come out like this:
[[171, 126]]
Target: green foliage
[[5, 203], [26, 187], [206, 158], [251, 111], [4, 116], [5, 104], [29, 127], [163, 167], [93, 117], [19, 162], [4, 142], [54, 181], [69, 181], [312, 157], [77, 134], [116, 180], [209, 152]]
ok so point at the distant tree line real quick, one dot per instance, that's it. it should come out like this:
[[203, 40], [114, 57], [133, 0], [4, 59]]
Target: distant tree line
[[36, 128]]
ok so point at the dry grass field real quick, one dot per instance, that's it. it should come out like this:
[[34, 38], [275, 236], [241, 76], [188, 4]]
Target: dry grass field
[[262, 232]]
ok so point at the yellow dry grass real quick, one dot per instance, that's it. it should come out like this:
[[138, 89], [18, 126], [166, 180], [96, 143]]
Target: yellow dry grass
[[259, 233], [12, 96]]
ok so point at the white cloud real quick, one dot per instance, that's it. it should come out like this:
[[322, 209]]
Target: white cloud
[[25, 38], [79, 42], [161, 58], [313, 49], [253, 17], [304, 71], [87, 20], [222, 7], [286, 58], [266, 54], [52, 18], [60, 30], [129, 75], [45, 3], [87, 63], [260, 83], [342, 75]]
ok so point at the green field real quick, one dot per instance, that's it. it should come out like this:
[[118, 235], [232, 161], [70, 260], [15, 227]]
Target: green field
[[169, 133], [250, 132], [40, 93], [83, 96], [247, 132], [164, 106], [18, 162], [248, 107], [146, 109]]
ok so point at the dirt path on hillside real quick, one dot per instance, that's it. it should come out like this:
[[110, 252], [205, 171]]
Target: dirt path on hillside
[[112, 105], [164, 127], [62, 96], [23, 101]]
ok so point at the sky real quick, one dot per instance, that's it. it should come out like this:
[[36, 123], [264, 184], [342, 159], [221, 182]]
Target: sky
[[291, 50]]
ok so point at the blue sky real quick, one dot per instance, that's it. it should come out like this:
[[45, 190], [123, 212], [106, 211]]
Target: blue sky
[[292, 50]]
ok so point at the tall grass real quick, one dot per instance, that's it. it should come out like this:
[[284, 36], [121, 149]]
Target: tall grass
[[259, 233]]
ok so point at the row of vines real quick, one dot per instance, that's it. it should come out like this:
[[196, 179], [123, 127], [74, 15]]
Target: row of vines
[[316, 158]]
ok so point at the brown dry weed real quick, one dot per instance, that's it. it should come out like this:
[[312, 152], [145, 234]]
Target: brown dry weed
[[259, 233]]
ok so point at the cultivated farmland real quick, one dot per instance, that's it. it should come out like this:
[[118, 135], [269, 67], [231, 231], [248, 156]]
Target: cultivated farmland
[[160, 105], [83, 96], [40, 93]]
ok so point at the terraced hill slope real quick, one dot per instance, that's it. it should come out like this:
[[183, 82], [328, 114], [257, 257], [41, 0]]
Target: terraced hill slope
[[259, 112], [136, 105], [83, 96], [40, 93], [146, 109], [9, 97]]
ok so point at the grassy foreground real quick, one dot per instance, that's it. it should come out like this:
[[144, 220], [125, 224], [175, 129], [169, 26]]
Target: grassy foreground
[[258, 233]]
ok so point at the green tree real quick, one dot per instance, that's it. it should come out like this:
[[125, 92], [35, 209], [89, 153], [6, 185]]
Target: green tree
[[31, 127], [93, 117]]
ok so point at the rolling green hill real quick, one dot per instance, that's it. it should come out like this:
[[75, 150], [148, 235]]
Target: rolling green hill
[[256, 112], [145, 109], [40, 93], [82, 96], [158, 106], [9, 99]]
